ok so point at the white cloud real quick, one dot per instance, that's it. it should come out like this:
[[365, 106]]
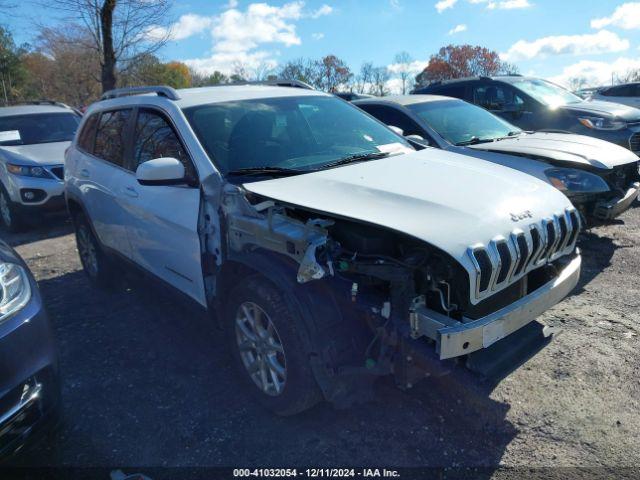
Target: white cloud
[[317, 36], [588, 44], [395, 4], [239, 36], [186, 26], [414, 67], [626, 16], [457, 29], [322, 11], [508, 4], [597, 73], [442, 5]]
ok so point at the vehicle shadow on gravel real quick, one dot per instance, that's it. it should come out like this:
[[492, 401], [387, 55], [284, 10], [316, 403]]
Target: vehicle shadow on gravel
[[147, 381], [40, 229], [597, 252]]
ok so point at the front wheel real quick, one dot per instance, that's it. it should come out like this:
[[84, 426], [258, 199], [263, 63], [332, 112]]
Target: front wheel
[[263, 331], [9, 213]]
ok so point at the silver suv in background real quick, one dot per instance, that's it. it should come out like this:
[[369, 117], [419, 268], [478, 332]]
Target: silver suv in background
[[331, 251], [33, 138]]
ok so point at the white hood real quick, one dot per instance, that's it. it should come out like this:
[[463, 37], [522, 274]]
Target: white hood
[[448, 200], [563, 147], [40, 153]]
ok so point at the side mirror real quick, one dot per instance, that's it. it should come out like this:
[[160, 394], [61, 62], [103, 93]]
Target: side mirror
[[161, 171], [398, 130], [419, 139]]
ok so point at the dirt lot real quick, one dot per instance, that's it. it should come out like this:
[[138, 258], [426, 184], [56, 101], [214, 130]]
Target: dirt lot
[[147, 382]]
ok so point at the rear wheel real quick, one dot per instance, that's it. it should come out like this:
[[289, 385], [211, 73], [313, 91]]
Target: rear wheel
[[94, 262], [9, 213], [263, 332]]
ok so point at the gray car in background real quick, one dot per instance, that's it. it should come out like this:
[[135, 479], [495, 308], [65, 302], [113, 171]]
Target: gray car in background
[[33, 138], [600, 178], [627, 94]]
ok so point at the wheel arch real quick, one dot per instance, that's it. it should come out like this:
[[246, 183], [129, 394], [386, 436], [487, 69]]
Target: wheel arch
[[326, 331]]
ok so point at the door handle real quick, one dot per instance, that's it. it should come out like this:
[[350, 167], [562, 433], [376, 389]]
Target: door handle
[[131, 192], [84, 173]]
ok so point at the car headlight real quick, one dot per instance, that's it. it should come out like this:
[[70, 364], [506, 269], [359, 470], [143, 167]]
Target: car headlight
[[601, 123], [570, 180], [28, 171], [15, 290]]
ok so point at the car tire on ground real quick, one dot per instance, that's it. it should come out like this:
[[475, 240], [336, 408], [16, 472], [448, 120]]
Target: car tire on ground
[[263, 333], [10, 215], [94, 262]]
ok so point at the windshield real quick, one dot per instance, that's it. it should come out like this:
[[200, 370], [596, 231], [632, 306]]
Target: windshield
[[461, 122], [546, 92], [38, 128], [297, 133]]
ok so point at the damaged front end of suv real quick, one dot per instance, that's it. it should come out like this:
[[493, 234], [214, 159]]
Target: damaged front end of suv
[[398, 275]]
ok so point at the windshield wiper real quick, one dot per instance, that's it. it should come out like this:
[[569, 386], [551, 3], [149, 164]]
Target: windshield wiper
[[512, 134], [356, 157], [266, 170], [474, 141]]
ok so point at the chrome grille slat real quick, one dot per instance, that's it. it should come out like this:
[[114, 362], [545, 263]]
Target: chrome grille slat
[[538, 244]]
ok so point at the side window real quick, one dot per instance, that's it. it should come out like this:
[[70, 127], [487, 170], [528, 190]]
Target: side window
[[391, 116], [455, 91], [621, 91], [155, 138], [494, 97], [87, 136], [111, 136]]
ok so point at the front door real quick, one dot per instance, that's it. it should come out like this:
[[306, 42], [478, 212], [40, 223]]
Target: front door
[[163, 220]]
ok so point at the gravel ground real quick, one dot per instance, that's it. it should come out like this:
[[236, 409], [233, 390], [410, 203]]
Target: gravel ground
[[147, 381]]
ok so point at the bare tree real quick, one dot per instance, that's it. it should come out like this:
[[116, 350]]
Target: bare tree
[[576, 83], [365, 77], [334, 73], [402, 63], [380, 78], [118, 30], [301, 69]]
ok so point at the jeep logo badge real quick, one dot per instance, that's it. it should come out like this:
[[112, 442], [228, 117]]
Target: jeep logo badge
[[516, 217]]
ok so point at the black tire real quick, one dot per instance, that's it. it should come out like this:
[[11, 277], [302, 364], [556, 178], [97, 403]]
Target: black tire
[[300, 390], [99, 269], [10, 215]]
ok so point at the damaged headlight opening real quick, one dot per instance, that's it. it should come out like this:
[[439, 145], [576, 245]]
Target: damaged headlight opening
[[15, 291], [570, 180]]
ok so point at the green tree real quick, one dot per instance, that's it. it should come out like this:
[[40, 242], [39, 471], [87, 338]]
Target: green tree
[[12, 71]]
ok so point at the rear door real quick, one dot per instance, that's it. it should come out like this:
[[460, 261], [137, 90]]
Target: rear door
[[100, 172], [162, 224]]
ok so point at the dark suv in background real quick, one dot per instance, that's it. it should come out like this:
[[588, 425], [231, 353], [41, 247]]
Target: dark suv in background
[[538, 105]]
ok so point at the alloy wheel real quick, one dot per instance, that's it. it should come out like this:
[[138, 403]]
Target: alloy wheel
[[5, 209], [261, 349], [87, 251]]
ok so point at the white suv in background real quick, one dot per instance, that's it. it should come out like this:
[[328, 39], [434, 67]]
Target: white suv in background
[[33, 138], [329, 249]]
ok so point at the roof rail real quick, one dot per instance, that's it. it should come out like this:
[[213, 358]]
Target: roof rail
[[285, 83], [160, 90], [42, 102]]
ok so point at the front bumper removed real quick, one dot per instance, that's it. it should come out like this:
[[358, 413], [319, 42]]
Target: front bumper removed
[[454, 339], [608, 210]]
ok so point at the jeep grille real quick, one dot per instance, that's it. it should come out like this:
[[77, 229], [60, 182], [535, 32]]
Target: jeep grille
[[506, 260]]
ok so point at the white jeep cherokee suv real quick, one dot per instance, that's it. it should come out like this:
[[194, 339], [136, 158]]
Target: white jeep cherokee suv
[[330, 251], [33, 138]]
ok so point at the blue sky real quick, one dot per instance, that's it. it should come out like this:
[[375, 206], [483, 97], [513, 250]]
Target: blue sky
[[558, 39]]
